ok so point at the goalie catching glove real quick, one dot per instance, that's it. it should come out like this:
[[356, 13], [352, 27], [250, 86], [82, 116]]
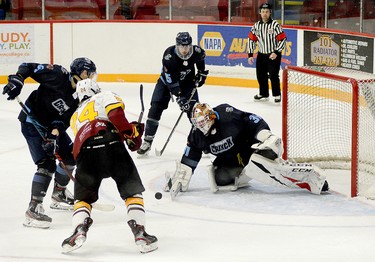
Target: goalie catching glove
[[180, 179], [133, 137], [270, 146]]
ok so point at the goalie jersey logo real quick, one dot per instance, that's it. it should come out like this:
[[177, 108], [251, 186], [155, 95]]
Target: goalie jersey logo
[[222, 146]]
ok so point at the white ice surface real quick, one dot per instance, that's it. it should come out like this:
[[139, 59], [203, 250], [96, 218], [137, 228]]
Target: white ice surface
[[258, 224]]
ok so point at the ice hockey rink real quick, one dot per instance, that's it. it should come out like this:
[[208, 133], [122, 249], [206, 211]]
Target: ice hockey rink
[[255, 224]]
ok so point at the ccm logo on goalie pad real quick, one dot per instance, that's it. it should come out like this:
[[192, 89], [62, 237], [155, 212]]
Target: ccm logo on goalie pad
[[301, 170]]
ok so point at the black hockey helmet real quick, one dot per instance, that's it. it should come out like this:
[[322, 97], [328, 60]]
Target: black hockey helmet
[[184, 46], [80, 64], [265, 6], [183, 38]]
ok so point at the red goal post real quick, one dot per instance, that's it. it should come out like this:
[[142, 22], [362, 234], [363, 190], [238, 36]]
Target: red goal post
[[329, 119]]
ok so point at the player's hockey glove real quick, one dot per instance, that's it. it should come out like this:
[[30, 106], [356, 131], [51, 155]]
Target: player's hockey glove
[[183, 103], [200, 78], [59, 125], [50, 144], [133, 138], [14, 86]]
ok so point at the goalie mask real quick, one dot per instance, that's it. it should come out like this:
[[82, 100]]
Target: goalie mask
[[203, 117], [184, 46], [85, 89]]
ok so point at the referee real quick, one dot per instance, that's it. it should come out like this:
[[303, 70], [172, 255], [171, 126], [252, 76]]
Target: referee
[[271, 41]]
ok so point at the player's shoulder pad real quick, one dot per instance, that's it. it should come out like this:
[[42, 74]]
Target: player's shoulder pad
[[168, 53]]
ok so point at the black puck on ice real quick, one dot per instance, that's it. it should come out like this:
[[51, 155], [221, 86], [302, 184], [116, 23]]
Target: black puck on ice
[[158, 195]]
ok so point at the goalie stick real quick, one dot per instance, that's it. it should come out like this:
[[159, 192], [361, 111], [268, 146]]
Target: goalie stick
[[42, 130], [159, 153]]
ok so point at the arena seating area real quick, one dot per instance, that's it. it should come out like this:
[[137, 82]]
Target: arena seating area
[[297, 12]]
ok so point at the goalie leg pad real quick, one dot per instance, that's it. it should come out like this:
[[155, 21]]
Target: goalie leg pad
[[281, 172], [234, 177]]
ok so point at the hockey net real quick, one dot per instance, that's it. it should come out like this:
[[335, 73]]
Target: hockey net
[[329, 120]]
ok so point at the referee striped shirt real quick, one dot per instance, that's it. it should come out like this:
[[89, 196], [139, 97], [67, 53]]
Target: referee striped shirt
[[270, 37]]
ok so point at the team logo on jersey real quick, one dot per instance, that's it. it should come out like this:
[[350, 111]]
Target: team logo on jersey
[[60, 106], [229, 109], [222, 146], [168, 57], [183, 74]]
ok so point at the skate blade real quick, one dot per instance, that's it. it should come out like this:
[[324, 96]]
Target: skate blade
[[148, 248], [29, 222], [61, 206], [145, 155], [78, 243]]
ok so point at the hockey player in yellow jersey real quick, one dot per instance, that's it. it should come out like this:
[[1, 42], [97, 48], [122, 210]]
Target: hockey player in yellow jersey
[[101, 128]]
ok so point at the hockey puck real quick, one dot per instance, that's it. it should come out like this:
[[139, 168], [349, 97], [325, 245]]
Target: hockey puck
[[158, 195]]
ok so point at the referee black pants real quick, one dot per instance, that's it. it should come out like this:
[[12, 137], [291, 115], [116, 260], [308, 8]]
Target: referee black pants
[[267, 68]]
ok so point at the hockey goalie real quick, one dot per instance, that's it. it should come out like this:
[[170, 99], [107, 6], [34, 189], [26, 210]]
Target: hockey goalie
[[244, 148]]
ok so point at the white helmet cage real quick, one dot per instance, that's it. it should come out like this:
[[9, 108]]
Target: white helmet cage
[[203, 117], [85, 89]]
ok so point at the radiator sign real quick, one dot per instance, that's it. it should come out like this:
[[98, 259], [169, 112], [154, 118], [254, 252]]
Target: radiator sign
[[325, 52], [347, 51]]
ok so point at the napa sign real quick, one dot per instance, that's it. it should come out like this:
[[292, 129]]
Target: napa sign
[[227, 45]]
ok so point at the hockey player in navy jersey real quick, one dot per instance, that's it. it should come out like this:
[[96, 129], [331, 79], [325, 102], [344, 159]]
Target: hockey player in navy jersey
[[178, 78], [49, 107], [245, 148], [101, 128]]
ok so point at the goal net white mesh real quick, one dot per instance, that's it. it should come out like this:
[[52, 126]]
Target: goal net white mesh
[[329, 119]]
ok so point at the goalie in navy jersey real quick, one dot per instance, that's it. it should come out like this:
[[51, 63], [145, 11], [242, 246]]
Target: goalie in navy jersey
[[49, 108], [245, 148], [101, 128], [178, 78]]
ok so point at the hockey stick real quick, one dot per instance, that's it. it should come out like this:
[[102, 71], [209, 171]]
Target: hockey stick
[[42, 131], [159, 153], [142, 104]]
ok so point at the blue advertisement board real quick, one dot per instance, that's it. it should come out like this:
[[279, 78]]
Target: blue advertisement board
[[227, 45]]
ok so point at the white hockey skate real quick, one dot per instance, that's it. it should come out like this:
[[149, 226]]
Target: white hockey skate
[[78, 237], [145, 148], [35, 217], [62, 199], [146, 243]]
